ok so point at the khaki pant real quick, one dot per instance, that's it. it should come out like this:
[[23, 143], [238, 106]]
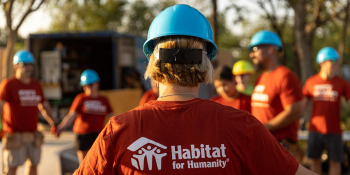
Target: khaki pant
[[20, 147]]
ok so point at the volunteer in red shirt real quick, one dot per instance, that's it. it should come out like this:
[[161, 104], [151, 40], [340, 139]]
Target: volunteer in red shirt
[[277, 96], [150, 95], [180, 133], [88, 112], [225, 85], [325, 90], [21, 99]]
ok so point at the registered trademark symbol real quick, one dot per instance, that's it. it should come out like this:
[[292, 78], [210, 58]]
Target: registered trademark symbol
[[227, 160]]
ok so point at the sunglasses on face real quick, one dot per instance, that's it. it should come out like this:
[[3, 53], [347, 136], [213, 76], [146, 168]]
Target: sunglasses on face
[[256, 48], [25, 64]]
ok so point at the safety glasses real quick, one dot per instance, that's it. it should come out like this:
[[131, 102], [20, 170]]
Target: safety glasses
[[25, 64]]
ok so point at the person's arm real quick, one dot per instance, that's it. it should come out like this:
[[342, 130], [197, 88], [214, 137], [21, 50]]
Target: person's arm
[[303, 171], [67, 121], [290, 113], [110, 115], [101, 157], [46, 111]]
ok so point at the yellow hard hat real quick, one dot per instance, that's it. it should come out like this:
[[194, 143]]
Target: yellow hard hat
[[242, 67]]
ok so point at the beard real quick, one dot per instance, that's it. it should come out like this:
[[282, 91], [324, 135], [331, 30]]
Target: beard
[[258, 67]]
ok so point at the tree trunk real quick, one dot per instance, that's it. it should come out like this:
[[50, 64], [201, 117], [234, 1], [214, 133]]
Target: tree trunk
[[7, 57], [303, 42], [343, 37], [214, 20]]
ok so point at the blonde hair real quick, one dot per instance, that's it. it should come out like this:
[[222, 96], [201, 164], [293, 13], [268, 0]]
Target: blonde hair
[[189, 75]]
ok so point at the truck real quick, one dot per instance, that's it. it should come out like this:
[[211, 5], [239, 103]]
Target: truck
[[62, 57]]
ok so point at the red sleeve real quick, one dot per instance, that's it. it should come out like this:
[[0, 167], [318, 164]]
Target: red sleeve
[[290, 89], [100, 158], [4, 91], [263, 153], [346, 90], [109, 108], [144, 98], [306, 91], [76, 105], [41, 93], [215, 99]]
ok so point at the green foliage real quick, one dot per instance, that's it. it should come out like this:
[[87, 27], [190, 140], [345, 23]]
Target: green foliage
[[141, 15], [89, 15], [225, 38]]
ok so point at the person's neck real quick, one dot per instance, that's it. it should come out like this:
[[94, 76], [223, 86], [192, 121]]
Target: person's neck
[[231, 98], [92, 94], [271, 66], [325, 75], [175, 92], [23, 78]]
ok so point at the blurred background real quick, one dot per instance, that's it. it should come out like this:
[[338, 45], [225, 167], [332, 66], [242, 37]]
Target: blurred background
[[69, 36]]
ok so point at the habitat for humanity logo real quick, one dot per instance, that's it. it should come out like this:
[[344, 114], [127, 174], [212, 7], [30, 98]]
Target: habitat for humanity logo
[[149, 152]]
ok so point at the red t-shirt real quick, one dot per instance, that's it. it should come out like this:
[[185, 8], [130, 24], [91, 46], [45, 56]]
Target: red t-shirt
[[272, 92], [91, 113], [325, 95], [242, 102], [20, 112], [186, 137], [148, 96]]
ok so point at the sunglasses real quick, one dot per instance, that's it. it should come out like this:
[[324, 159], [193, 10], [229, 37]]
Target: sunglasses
[[25, 64], [256, 48]]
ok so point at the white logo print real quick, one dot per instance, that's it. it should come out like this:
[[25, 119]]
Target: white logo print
[[137, 146], [28, 97]]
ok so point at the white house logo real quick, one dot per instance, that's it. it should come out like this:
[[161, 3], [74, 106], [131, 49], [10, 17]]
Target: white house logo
[[149, 152]]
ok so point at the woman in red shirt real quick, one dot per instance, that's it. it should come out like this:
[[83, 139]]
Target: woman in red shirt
[[180, 133], [88, 110], [150, 95]]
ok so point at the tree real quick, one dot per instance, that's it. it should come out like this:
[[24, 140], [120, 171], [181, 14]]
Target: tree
[[215, 19], [12, 30], [308, 16], [87, 15], [3, 38], [341, 47]]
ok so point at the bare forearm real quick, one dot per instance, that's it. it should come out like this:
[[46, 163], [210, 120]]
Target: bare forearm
[[67, 121], [110, 115], [289, 115], [48, 115], [303, 171], [282, 120]]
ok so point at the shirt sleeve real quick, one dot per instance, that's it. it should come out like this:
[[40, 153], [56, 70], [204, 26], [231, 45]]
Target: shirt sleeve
[[263, 153], [144, 98], [76, 105], [290, 89], [108, 105], [41, 93], [100, 158], [4, 91], [306, 91], [346, 90]]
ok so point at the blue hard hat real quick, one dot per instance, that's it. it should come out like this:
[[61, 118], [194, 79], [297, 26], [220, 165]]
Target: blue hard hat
[[23, 56], [265, 37], [327, 53], [180, 20], [89, 76]]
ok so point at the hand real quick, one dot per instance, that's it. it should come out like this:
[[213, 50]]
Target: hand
[[55, 131], [58, 132]]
